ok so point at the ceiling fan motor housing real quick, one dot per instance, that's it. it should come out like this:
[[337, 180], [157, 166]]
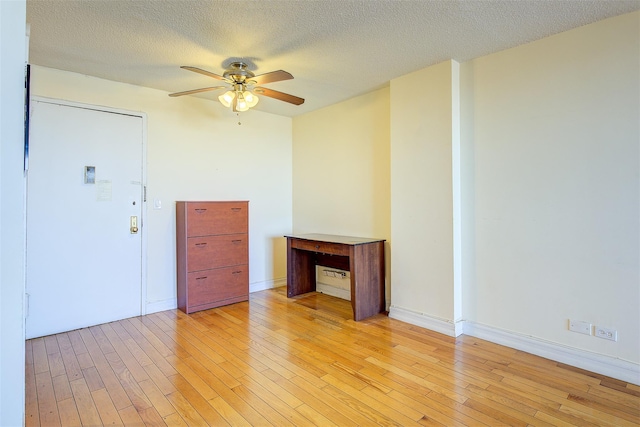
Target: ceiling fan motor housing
[[238, 72]]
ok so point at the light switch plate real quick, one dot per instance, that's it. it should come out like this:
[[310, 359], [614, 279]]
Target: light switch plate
[[580, 327]]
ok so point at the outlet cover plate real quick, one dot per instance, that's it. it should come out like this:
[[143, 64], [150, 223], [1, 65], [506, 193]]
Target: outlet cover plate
[[606, 333], [580, 327]]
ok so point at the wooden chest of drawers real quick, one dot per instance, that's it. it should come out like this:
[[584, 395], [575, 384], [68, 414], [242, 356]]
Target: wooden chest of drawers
[[212, 243]]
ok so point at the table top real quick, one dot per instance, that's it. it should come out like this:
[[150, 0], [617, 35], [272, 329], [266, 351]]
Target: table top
[[331, 238]]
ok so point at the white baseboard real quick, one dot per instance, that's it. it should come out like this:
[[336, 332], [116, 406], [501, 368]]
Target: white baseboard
[[594, 362], [267, 284], [443, 326], [334, 291], [172, 303], [156, 306]]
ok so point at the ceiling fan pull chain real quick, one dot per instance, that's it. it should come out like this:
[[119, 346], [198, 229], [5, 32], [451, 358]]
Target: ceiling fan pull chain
[[239, 123]]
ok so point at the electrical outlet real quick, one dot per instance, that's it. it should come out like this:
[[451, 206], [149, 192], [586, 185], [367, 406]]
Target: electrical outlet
[[580, 327], [606, 333]]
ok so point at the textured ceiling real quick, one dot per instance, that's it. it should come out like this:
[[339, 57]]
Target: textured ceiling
[[335, 49]]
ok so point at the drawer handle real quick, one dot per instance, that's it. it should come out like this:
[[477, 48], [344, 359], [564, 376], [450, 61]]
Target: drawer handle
[[237, 272], [201, 244], [236, 209], [236, 241], [200, 210], [317, 246], [201, 278]]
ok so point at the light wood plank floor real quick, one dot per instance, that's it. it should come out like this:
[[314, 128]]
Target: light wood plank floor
[[303, 361]]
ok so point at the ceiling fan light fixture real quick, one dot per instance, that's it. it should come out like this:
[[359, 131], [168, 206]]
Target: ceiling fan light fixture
[[227, 98], [251, 99], [241, 104]]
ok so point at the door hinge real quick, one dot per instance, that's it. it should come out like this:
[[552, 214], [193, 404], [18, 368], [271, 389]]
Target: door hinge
[[144, 194]]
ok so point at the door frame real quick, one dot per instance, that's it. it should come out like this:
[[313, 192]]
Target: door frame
[[143, 209]]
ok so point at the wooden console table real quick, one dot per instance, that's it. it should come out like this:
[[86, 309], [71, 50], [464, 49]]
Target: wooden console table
[[364, 258]]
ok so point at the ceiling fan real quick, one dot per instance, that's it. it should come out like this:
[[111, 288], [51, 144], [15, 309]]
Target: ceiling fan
[[243, 86]]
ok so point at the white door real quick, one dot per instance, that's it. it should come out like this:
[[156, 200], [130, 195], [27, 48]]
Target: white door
[[84, 264]]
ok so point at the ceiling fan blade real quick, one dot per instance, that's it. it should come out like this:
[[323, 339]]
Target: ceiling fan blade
[[274, 76], [204, 89], [204, 72], [279, 95]]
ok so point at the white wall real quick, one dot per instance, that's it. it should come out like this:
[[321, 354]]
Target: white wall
[[12, 230], [553, 128], [197, 151], [341, 170]]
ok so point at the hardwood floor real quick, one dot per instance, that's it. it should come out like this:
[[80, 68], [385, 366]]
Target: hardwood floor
[[303, 361]]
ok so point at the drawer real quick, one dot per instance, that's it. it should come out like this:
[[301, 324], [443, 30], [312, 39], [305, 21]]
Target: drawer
[[217, 218], [213, 286], [322, 247], [208, 252]]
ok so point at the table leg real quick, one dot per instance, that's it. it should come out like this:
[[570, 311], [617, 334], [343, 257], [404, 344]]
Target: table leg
[[301, 272], [367, 280]]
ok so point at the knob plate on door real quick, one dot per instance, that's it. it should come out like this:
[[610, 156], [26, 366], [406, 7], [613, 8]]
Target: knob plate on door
[[133, 223]]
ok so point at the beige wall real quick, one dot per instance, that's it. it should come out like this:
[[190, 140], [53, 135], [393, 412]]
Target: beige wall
[[422, 193], [549, 195], [543, 226], [341, 169], [197, 151], [553, 132]]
